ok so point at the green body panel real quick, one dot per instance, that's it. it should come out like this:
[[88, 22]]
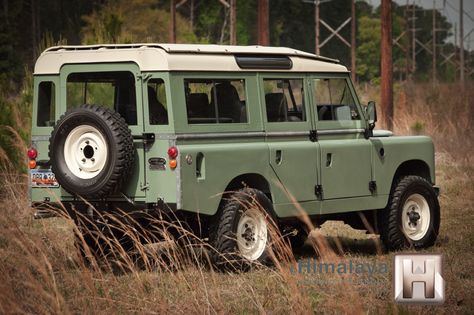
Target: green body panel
[[342, 161], [202, 191], [345, 168], [397, 150]]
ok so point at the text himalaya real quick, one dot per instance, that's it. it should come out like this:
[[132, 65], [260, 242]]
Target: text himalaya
[[343, 267]]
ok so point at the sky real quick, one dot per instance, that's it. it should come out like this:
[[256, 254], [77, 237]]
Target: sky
[[450, 9]]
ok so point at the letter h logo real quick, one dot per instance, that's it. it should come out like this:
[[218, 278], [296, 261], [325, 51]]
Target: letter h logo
[[417, 279]]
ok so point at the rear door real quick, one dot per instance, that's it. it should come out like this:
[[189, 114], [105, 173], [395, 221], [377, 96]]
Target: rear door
[[117, 86], [293, 156], [345, 154]]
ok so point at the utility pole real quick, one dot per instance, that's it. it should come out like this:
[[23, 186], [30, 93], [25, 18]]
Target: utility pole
[[316, 27], [263, 33], [461, 42], [233, 21], [434, 43], [413, 39], [172, 35], [353, 40], [386, 63]]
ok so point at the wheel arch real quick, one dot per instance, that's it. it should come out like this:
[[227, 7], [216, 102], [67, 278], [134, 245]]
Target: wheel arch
[[413, 167], [249, 180]]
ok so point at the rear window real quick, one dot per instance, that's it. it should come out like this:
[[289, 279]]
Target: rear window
[[46, 104], [215, 101], [284, 100], [115, 90]]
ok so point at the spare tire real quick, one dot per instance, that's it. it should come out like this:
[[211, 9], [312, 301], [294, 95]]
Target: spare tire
[[91, 151]]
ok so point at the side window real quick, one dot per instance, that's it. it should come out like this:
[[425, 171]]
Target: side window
[[334, 100], [215, 101], [115, 90], [46, 104], [157, 106], [284, 100]]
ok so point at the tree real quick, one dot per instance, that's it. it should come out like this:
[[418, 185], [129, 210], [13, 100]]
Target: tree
[[126, 21]]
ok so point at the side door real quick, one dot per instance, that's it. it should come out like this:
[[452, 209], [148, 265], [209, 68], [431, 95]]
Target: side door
[[345, 154], [287, 122]]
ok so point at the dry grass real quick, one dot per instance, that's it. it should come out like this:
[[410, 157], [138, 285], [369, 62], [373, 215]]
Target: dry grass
[[40, 270]]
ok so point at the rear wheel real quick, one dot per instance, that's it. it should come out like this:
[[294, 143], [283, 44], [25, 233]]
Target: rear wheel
[[412, 216], [243, 231]]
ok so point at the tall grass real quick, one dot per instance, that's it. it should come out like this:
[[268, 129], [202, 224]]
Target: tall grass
[[42, 271]]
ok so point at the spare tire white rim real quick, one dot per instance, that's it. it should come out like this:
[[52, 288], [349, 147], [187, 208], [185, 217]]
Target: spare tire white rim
[[85, 152], [252, 234], [416, 217]]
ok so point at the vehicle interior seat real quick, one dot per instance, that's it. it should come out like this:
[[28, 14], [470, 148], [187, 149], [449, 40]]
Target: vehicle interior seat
[[158, 113], [228, 102], [277, 107], [198, 106]]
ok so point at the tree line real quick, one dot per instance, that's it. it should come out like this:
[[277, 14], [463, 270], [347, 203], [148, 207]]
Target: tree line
[[29, 26]]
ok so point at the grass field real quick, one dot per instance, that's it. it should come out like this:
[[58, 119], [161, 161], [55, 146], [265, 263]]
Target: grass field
[[40, 271]]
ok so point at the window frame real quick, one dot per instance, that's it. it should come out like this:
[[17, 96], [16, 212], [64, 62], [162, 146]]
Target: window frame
[[286, 125], [336, 124], [38, 79], [66, 70], [157, 128], [213, 83], [251, 102]]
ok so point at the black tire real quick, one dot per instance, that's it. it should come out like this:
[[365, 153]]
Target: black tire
[[225, 254], [393, 230], [119, 148]]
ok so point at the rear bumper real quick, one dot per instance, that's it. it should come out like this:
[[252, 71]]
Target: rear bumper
[[71, 209]]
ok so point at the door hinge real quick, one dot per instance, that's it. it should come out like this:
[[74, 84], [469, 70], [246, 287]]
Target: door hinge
[[372, 186], [147, 137], [313, 135], [318, 191], [144, 186]]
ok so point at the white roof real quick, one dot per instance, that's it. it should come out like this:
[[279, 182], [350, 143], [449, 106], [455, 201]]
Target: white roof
[[179, 57]]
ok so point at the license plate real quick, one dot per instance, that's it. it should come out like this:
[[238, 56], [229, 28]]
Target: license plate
[[43, 178]]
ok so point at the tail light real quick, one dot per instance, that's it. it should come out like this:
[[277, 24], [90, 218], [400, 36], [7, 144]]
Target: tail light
[[32, 154], [32, 164], [173, 153]]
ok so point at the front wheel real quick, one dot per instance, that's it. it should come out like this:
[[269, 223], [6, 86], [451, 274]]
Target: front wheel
[[243, 231], [412, 216]]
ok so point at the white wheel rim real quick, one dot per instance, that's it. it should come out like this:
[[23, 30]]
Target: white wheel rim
[[85, 151], [252, 234], [416, 217]]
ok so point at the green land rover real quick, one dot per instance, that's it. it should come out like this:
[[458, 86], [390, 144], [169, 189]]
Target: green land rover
[[231, 140]]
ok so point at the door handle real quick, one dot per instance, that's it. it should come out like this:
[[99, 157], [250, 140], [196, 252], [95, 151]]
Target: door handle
[[328, 160], [278, 157]]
